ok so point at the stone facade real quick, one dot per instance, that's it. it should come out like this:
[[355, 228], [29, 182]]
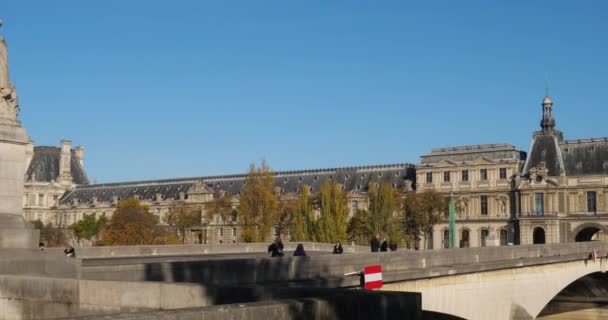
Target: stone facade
[[51, 172], [555, 193], [479, 178], [159, 195]]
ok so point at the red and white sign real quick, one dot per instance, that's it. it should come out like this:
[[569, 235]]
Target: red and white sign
[[373, 277]]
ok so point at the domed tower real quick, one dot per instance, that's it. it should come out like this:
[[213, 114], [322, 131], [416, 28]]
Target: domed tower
[[545, 153], [547, 123]]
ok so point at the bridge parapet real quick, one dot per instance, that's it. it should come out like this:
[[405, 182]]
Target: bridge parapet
[[329, 270]]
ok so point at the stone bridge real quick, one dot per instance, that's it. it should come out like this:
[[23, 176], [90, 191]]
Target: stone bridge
[[511, 282]]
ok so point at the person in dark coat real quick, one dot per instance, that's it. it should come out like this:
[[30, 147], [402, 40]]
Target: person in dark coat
[[393, 246], [276, 248], [69, 252], [375, 243], [300, 252], [384, 246], [338, 248]]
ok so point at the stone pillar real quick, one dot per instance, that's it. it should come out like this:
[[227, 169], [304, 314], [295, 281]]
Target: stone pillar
[[14, 142]]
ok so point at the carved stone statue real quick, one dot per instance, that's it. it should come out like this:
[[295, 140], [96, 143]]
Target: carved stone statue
[[9, 104], [4, 76]]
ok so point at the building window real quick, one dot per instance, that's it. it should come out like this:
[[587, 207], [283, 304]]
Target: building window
[[446, 239], [41, 200], [484, 234], [503, 173], [591, 203], [39, 216], [234, 232], [539, 203], [429, 177], [483, 174], [354, 206], [538, 236], [484, 205], [464, 239], [220, 232], [465, 175], [446, 176], [504, 237]]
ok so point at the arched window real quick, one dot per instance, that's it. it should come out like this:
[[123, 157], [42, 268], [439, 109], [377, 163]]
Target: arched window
[[446, 239], [538, 236], [504, 237], [483, 235], [464, 238]]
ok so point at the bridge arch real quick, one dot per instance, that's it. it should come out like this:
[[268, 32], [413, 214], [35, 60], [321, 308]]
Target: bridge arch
[[517, 293], [587, 231]]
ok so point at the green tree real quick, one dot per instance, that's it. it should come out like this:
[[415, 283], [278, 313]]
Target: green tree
[[89, 227], [382, 206], [331, 225], [182, 216], [304, 219], [258, 204], [52, 236], [358, 228], [420, 212], [131, 224]]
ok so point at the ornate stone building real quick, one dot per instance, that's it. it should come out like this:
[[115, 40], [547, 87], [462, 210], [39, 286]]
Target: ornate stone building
[[563, 190], [556, 193], [479, 178], [51, 171], [159, 195]]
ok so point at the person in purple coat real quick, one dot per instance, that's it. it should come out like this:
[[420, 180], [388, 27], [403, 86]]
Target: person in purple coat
[[299, 251]]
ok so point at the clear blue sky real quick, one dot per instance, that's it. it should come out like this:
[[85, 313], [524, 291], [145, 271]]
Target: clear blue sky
[[160, 89]]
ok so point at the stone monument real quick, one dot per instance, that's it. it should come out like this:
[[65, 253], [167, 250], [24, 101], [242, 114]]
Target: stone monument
[[14, 231]]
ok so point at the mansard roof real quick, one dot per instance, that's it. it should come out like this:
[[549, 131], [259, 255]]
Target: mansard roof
[[44, 166], [585, 156], [545, 152], [352, 178], [470, 153]]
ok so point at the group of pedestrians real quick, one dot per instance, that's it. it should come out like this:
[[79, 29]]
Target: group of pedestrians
[[276, 249], [383, 246]]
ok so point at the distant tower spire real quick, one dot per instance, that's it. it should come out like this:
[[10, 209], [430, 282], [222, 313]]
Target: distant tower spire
[[547, 123]]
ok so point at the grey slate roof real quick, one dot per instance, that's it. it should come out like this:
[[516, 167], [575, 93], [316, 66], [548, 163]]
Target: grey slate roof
[[585, 156], [352, 178], [545, 148], [44, 166], [496, 152]]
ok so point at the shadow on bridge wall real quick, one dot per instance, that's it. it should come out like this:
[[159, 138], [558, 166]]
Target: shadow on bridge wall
[[274, 279], [588, 292]]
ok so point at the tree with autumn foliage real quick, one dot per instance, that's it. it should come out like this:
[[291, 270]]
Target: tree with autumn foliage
[[331, 225], [220, 207], [287, 208], [304, 217], [258, 204], [358, 228], [382, 206], [131, 224], [420, 212], [183, 216]]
